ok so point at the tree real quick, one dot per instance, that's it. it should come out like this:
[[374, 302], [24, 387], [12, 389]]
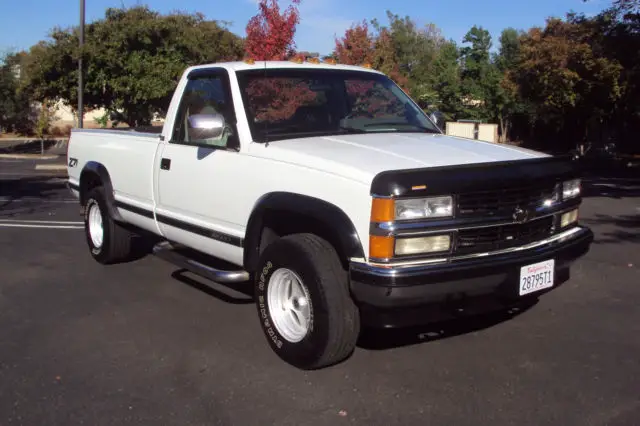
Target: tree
[[356, 47], [15, 108], [133, 59], [509, 52], [504, 101], [445, 81], [270, 33], [51, 72], [571, 85], [624, 5], [413, 51], [479, 76]]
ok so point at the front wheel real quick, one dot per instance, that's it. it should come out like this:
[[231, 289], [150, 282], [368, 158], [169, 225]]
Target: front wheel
[[303, 301]]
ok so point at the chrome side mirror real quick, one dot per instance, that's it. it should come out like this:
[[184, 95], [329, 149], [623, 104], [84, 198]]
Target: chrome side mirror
[[438, 118], [206, 126]]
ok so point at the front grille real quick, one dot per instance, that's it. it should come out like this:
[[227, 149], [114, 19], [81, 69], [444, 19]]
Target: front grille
[[477, 240], [492, 202]]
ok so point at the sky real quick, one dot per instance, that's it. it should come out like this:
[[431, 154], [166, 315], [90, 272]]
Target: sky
[[26, 22]]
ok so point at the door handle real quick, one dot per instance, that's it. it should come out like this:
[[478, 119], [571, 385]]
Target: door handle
[[165, 164]]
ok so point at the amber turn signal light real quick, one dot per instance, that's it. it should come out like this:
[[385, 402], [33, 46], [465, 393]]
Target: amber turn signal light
[[383, 210], [381, 247]]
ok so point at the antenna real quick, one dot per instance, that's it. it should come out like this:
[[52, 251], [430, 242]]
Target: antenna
[[266, 130]]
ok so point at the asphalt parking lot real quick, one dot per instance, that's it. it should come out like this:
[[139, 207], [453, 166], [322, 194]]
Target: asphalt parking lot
[[141, 343]]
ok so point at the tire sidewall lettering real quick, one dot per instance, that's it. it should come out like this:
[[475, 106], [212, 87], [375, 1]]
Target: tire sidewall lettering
[[265, 319]]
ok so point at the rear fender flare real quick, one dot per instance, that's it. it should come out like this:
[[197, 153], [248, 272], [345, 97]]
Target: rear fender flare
[[97, 170]]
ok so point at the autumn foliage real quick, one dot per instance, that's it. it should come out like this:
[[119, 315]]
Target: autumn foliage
[[270, 33], [356, 47], [277, 99]]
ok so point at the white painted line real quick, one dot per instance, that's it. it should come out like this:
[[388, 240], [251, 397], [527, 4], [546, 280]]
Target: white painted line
[[51, 222], [29, 156], [29, 174], [23, 225], [36, 200], [51, 167]]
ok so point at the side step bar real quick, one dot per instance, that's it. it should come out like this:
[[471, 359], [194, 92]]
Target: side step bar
[[166, 251]]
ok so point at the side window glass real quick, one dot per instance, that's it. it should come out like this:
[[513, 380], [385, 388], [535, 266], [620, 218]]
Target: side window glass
[[205, 113]]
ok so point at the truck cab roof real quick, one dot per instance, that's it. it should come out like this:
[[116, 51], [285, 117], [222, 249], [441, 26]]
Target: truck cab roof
[[255, 65]]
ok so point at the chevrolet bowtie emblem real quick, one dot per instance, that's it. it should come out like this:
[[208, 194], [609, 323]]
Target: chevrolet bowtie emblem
[[520, 215]]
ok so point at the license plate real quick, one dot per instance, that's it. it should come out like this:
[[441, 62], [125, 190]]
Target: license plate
[[536, 277]]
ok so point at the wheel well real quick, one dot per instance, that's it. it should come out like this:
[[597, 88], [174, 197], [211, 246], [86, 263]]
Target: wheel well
[[280, 223], [88, 181]]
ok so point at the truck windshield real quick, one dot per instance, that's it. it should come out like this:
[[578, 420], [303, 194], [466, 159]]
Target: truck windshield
[[296, 103]]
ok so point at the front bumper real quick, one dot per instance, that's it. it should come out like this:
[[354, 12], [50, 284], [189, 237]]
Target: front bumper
[[407, 294]]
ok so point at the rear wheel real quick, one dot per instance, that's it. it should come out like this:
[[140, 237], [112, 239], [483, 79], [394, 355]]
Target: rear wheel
[[109, 242], [303, 301]]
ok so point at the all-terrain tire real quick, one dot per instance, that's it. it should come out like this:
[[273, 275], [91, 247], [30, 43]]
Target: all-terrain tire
[[334, 318], [117, 242]]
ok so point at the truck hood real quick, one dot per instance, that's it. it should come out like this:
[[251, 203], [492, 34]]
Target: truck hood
[[360, 157]]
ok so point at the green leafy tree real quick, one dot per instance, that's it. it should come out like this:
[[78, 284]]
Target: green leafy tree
[[478, 76], [414, 52], [444, 82], [572, 86], [504, 101], [133, 59], [15, 108]]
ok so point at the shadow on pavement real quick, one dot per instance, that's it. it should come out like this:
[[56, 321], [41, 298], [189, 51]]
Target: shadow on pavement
[[239, 294], [382, 339], [26, 195], [34, 146], [611, 187], [627, 228]]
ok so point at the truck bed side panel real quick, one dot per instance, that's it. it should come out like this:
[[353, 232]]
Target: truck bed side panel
[[128, 158]]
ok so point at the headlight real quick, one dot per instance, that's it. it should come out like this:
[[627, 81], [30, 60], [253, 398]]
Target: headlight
[[431, 244], [570, 189], [424, 208]]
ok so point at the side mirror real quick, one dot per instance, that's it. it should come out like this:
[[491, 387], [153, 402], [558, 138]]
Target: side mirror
[[206, 126], [438, 119]]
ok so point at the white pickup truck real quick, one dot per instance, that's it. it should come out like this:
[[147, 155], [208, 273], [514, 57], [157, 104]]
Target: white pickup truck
[[330, 190]]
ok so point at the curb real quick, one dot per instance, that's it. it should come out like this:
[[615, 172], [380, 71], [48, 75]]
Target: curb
[[29, 156], [51, 167]]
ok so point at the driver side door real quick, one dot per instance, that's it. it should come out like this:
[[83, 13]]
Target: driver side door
[[196, 167]]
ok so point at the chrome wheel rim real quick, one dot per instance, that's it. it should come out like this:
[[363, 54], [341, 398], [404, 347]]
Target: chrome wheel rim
[[289, 305], [96, 231]]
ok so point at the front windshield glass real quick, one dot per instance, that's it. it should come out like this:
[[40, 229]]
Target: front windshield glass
[[295, 103]]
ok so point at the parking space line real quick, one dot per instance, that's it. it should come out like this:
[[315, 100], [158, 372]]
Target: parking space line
[[41, 222], [38, 200], [26, 225]]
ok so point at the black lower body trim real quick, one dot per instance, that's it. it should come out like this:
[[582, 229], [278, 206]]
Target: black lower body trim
[[189, 227], [419, 293], [134, 209], [73, 186]]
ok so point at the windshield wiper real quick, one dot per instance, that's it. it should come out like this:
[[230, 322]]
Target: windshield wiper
[[353, 130], [395, 123]]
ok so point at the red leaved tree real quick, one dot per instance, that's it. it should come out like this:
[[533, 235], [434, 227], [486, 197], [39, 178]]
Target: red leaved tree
[[278, 99], [270, 33], [356, 47], [360, 46]]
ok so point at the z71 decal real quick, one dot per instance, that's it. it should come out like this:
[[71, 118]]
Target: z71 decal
[[73, 162]]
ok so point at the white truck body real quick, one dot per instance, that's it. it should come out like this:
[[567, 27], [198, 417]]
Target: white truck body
[[203, 196], [309, 167]]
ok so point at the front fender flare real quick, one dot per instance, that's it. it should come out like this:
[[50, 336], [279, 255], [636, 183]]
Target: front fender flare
[[315, 208]]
